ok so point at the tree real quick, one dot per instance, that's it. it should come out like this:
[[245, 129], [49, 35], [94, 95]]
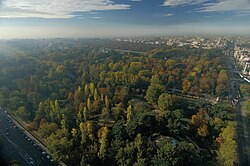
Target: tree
[[14, 163], [40, 112], [77, 96], [86, 89], [189, 154], [183, 153], [96, 95], [47, 129], [200, 122], [166, 102], [153, 93], [227, 153], [118, 111], [186, 85], [122, 95], [89, 104], [59, 145], [165, 156], [139, 145], [126, 155], [118, 130], [22, 113], [174, 121], [80, 115], [129, 114], [85, 114], [86, 129], [84, 132], [222, 83], [92, 88], [74, 133], [107, 101], [155, 80], [203, 130], [105, 113], [103, 134], [57, 110], [83, 161], [64, 122]]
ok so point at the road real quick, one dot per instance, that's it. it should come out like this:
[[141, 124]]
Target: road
[[125, 51], [17, 146], [243, 130]]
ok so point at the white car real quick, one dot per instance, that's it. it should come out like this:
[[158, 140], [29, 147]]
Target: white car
[[48, 156]]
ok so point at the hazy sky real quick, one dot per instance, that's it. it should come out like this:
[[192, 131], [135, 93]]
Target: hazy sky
[[109, 18]]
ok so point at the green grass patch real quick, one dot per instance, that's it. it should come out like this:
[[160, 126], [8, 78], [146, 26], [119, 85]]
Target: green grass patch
[[246, 107]]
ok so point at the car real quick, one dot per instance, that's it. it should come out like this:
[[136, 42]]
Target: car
[[35, 145], [32, 163], [7, 134], [48, 157], [43, 153]]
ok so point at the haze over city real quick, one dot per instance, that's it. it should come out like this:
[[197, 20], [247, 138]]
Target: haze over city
[[114, 18]]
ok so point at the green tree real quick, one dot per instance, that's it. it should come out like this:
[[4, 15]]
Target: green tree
[[59, 145], [57, 110], [129, 114], [22, 113], [139, 145], [96, 95], [174, 121], [222, 83], [47, 129], [165, 156], [89, 104], [92, 88], [227, 157], [86, 89], [153, 93], [166, 102], [85, 114], [84, 132], [64, 122], [40, 112], [107, 101], [103, 134]]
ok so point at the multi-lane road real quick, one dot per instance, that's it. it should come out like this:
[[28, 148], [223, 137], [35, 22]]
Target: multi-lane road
[[242, 130], [18, 146]]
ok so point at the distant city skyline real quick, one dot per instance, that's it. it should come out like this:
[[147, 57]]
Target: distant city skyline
[[118, 18]]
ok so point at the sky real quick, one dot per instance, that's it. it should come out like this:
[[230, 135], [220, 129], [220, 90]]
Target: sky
[[118, 18]]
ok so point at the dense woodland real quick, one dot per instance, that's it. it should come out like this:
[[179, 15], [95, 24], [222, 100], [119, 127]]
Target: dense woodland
[[95, 107]]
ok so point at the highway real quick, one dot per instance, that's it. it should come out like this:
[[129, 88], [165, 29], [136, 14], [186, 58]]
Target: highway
[[242, 131], [18, 146]]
